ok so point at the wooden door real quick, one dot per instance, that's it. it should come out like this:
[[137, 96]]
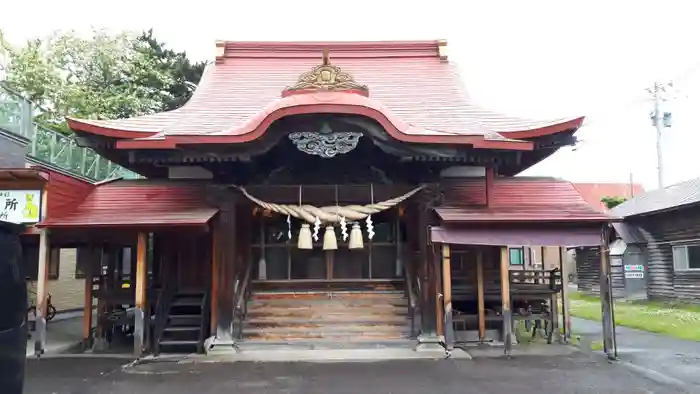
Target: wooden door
[[194, 264]]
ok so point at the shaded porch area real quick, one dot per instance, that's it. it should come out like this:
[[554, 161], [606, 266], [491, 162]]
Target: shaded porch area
[[487, 295], [145, 251]]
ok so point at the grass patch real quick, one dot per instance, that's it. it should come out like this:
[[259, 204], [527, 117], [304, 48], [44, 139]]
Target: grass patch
[[673, 319]]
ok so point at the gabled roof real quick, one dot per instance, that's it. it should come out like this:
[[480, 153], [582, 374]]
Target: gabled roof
[[528, 199], [414, 92], [594, 192], [669, 198], [137, 203]]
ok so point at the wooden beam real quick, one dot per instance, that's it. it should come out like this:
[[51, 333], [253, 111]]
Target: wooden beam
[[42, 288], [42, 285], [214, 279], [489, 184], [447, 296], [505, 302], [481, 303], [141, 277], [86, 258], [437, 290], [606, 297], [564, 267]]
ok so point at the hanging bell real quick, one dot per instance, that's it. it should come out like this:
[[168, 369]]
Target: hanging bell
[[356, 237], [329, 240], [305, 241]]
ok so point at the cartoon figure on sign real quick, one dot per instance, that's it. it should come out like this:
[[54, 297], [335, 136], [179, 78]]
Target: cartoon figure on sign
[[31, 210]]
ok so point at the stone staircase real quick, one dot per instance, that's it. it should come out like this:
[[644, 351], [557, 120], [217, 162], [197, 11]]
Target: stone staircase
[[338, 317]]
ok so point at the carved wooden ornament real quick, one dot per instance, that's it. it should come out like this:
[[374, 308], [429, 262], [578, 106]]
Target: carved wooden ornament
[[326, 77]]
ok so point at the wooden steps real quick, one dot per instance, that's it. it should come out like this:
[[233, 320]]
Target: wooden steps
[[183, 327], [341, 316]]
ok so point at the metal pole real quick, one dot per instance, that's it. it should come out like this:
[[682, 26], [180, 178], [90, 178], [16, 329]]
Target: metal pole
[[659, 124]]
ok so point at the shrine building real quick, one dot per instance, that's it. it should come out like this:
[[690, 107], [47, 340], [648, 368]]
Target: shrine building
[[322, 192]]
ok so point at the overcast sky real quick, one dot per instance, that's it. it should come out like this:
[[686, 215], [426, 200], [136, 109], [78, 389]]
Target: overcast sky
[[533, 58]]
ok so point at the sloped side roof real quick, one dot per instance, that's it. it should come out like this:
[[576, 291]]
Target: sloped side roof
[[671, 197], [409, 83], [629, 233], [528, 199], [594, 192], [134, 203]]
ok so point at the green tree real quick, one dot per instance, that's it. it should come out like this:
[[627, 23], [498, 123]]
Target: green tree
[[102, 76], [185, 74], [612, 201]]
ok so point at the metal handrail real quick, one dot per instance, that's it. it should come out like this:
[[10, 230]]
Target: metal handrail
[[50, 146]]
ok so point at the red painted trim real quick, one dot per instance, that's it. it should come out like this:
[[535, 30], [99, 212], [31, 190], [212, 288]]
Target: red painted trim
[[324, 102], [528, 220], [548, 130], [338, 49], [80, 125], [48, 224]]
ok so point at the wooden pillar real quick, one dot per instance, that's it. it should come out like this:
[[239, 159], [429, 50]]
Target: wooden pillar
[[86, 259], [225, 253], [447, 296], [42, 289], [606, 298], [429, 339], [437, 287], [564, 267], [214, 279], [505, 302], [490, 175], [481, 303], [424, 272], [140, 312], [42, 280]]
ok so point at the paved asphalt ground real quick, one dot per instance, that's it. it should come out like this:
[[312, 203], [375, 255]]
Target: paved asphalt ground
[[669, 358], [577, 373]]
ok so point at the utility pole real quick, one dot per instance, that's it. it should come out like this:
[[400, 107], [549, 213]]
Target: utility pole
[[660, 120]]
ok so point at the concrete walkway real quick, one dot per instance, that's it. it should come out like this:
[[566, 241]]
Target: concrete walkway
[[576, 373], [63, 334], [660, 357]]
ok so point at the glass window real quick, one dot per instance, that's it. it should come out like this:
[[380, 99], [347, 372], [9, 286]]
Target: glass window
[[515, 256], [686, 257]]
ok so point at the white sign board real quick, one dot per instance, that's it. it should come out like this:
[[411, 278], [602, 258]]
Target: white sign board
[[634, 275], [634, 267], [20, 206]]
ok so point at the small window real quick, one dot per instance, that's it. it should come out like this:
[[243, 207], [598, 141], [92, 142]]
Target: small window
[[79, 270], [686, 257], [515, 256], [54, 263]]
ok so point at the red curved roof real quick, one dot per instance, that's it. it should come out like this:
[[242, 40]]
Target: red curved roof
[[413, 92]]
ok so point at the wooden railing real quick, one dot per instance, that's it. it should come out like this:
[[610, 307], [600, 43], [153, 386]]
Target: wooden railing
[[240, 300], [535, 281], [204, 324], [413, 294], [165, 298]]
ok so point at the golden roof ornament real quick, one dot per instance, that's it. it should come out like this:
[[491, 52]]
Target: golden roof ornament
[[326, 77]]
